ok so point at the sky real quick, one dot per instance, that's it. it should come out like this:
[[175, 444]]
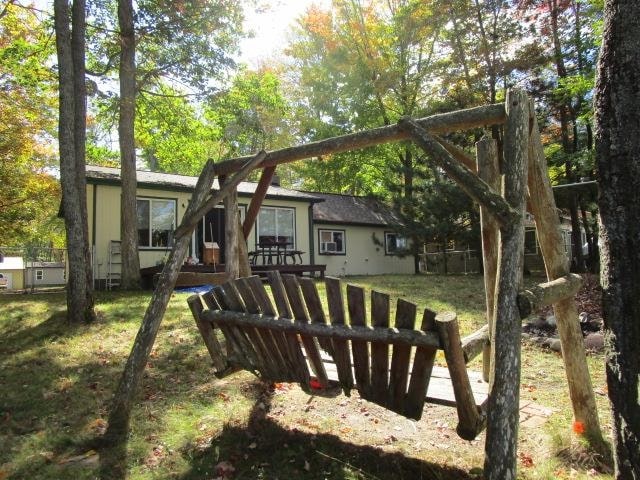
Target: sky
[[271, 25]]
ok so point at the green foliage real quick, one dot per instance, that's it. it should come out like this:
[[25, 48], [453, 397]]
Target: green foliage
[[29, 194], [252, 114]]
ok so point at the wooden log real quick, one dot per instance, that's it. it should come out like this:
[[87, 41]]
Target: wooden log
[[244, 266], [556, 262], [359, 348], [300, 314], [208, 335], [398, 375], [548, 293], [215, 301], [248, 353], [293, 353], [465, 178], [421, 371], [379, 350], [502, 416], [314, 307], [341, 355], [489, 171], [244, 288], [231, 254], [469, 420], [273, 341], [279, 294], [256, 200], [260, 338], [261, 296], [475, 343], [459, 154], [392, 336], [440, 123]]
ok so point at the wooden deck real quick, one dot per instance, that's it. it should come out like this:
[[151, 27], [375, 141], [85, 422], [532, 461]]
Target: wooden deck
[[194, 275]]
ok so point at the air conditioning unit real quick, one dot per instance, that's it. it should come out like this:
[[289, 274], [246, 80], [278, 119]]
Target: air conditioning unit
[[329, 247]]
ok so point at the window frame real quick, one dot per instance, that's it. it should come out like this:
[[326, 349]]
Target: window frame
[[332, 231], [276, 208], [39, 274], [175, 222], [386, 244]]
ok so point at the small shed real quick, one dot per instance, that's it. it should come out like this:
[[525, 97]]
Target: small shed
[[45, 274], [11, 273]]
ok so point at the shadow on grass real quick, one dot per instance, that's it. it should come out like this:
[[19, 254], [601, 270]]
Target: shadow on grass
[[264, 449]]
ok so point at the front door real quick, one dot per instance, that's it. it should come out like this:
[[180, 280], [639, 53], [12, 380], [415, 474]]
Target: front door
[[211, 229]]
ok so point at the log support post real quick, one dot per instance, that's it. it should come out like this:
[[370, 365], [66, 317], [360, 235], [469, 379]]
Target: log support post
[[504, 389], [489, 171], [231, 234], [257, 199], [202, 200], [543, 207], [470, 420]]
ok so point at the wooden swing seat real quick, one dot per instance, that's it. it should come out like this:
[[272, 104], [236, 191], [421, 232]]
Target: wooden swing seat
[[392, 367]]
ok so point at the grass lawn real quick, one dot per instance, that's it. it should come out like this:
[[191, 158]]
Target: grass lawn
[[56, 381]]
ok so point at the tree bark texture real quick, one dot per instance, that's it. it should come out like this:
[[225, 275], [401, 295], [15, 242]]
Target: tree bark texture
[[617, 135], [130, 268], [231, 259], [489, 171], [543, 207], [71, 133], [504, 390], [440, 123]]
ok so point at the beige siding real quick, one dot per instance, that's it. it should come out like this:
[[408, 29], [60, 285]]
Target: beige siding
[[364, 256], [107, 212]]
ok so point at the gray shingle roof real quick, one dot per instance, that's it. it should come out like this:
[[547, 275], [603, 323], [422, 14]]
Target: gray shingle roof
[[327, 208], [181, 182], [348, 209]]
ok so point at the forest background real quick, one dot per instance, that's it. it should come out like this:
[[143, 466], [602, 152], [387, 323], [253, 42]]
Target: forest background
[[347, 66]]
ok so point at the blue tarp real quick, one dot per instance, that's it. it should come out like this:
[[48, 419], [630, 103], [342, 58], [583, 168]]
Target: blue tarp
[[201, 289]]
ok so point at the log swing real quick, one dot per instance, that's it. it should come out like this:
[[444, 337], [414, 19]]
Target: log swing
[[272, 345], [259, 340]]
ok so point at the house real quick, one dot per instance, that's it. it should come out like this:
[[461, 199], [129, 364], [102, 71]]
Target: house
[[354, 236], [11, 273], [343, 241]]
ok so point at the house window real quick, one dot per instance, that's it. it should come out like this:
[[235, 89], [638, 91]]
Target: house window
[[394, 243], [332, 242], [39, 274], [530, 242], [156, 222], [276, 224]]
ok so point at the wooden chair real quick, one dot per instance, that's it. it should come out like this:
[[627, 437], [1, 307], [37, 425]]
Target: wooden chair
[[293, 342]]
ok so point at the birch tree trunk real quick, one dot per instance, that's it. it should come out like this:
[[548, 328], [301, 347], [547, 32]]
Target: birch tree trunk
[[617, 135]]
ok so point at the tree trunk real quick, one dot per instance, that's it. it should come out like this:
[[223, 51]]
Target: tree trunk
[[617, 139], [504, 386], [71, 135], [130, 268]]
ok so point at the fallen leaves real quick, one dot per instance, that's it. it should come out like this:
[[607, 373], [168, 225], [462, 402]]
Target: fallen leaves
[[525, 460]]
